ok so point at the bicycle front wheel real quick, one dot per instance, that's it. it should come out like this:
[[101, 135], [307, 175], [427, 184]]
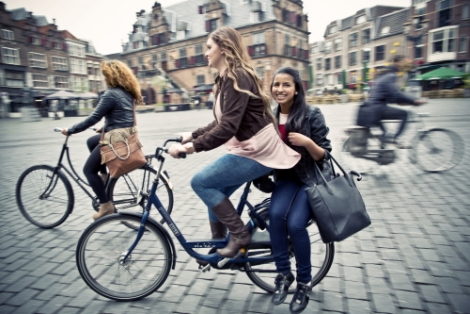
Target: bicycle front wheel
[[125, 191], [45, 199], [438, 150], [100, 258], [321, 257]]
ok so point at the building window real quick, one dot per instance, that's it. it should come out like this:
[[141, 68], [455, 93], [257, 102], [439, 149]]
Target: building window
[[360, 19], [385, 30], [260, 72], [328, 45], [366, 36], [14, 79], [319, 79], [255, 17], [34, 40], [352, 40], [76, 50], [59, 63], [212, 25], [444, 13], [40, 80], [327, 64], [420, 12], [201, 79], [337, 44], [199, 55], [129, 63], [37, 60], [465, 11], [141, 60], [366, 56], [10, 56], [314, 49], [61, 82], [380, 53], [259, 44], [353, 58], [463, 44], [77, 66], [333, 29], [154, 58], [7, 34], [444, 41], [419, 48], [319, 62], [337, 62]]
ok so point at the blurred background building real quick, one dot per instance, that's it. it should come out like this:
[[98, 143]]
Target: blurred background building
[[167, 44], [37, 59]]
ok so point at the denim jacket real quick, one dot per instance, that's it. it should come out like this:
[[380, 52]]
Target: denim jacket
[[315, 128], [116, 106]]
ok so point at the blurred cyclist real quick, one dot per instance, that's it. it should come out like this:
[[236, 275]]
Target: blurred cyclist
[[385, 91]]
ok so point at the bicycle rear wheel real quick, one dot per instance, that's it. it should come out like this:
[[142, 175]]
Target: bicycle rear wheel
[[45, 199], [101, 250], [321, 257], [438, 150], [125, 191]]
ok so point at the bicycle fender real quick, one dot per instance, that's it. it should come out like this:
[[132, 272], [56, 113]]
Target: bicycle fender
[[162, 229]]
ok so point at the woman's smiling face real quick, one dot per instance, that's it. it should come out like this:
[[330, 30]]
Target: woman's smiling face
[[283, 89]]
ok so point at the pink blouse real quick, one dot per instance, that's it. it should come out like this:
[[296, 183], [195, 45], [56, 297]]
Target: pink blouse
[[265, 147]]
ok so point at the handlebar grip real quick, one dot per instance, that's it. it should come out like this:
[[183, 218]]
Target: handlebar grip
[[357, 174], [182, 155], [57, 129]]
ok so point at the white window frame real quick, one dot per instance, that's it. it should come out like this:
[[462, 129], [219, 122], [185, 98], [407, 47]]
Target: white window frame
[[446, 36], [385, 30], [40, 80], [35, 41], [337, 44], [61, 82], [357, 40], [259, 38], [333, 29], [11, 56], [360, 19], [77, 66], [328, 46], [37, 60], [76, 50], [8, 34], [59, 63], [314, 49], [349, 58], [465, 45], [14, 82], [319, 80], [319, 64]]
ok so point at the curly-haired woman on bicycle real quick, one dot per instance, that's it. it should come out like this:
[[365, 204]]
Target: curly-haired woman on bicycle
[[244, 124], [303, 128], [116, 105]]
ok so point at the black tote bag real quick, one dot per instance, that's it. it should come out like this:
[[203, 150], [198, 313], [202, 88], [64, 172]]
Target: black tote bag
[[337, 205]]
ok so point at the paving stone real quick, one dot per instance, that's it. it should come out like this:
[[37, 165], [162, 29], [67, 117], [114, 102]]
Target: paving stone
[[355, 290], [401, 282], [358, 306], [431, 294], [408, 300], [333, 302], [459, 302], [383, 303]]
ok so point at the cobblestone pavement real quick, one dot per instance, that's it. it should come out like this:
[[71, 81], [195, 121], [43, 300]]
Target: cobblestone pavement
[[414, 258]]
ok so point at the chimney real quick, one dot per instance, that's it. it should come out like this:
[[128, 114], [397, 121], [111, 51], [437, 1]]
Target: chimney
[[53, 21], [2, 6]]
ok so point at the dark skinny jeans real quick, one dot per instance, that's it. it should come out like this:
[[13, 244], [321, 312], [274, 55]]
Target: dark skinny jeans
[[289, 214], [93, 166]]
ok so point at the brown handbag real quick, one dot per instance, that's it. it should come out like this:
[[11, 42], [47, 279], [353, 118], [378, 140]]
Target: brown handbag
[[123, 156]]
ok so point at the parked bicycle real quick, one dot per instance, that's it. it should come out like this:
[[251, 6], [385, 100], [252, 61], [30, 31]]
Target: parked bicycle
[[46, 198], [121, 264], [432, 149]]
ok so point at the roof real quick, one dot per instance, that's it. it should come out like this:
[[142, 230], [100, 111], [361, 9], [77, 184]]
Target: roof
[[391, 23], [41, 20], [371, 15], [185, 16], [20, 14]]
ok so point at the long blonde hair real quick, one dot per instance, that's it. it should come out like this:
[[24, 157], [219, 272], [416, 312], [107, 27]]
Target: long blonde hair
[[235, 54], [118, 74]]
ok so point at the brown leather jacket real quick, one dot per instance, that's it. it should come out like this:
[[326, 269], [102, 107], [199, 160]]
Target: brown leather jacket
[[242, 115]]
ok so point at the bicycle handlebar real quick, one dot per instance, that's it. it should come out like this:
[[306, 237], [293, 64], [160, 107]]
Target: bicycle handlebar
[[165, 149]]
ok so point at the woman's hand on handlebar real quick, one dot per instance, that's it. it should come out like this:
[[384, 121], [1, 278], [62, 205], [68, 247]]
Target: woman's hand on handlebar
[[419, 102], [176, 149], [64, 131], [186, 137]]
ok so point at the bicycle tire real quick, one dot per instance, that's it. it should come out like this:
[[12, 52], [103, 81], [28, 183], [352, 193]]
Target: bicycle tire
[[102, 246], [438, 150], [264, 275], [35, 192], [123, 191]]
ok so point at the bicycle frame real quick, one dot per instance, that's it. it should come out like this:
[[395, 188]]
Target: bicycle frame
[[189, 246]]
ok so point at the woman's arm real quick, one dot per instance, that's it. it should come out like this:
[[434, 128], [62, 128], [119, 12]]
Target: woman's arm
[[105, 104]]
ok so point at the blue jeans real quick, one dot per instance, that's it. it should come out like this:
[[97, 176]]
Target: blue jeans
[[224, 176], [288, 216]]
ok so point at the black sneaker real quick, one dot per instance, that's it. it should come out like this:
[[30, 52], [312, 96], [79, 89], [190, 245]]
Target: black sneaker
[[301, 296], [282, 287]]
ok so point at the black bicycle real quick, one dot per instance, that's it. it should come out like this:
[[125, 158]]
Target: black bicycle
[[46, 198], [122, 264]]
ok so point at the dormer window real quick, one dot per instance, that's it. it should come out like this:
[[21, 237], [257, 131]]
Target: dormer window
[[360, 19], [333, 29], [201, 9], [180, 35], [385, 30], [212, 25], [255, 17]]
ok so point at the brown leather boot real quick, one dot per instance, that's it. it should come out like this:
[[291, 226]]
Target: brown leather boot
[[239, 236], [219, 231], [105, 209]]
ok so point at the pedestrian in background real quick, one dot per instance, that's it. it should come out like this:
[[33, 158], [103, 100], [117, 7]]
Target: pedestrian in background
[[245, 125], [116, 105], [303, 128]]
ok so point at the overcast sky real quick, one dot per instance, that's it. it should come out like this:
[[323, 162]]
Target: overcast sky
[[108, 22]]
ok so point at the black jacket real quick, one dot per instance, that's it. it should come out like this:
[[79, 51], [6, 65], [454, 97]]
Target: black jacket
[[315, 128], [116, 106], [383, 92]]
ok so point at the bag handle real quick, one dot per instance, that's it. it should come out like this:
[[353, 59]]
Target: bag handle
[[317, 169]]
